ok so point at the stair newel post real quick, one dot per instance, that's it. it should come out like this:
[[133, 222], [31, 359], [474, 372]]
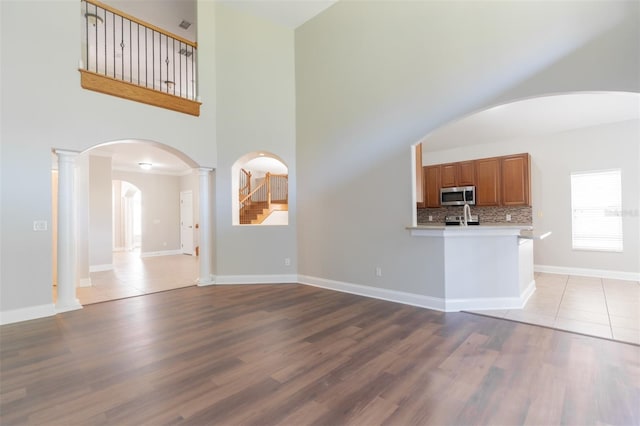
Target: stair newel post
[[268, 179]]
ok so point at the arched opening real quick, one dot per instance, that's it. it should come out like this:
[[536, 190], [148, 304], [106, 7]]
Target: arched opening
[[584, 191], [127, 220], [260, 190], [127, 216], [509, 128]]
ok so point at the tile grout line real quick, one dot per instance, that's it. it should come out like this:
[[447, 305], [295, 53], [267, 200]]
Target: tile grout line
[[606, 305]]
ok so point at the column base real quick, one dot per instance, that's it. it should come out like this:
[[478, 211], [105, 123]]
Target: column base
[[66, 307], [201, 282]]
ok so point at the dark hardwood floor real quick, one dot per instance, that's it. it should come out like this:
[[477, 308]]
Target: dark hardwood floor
[[298, 355]]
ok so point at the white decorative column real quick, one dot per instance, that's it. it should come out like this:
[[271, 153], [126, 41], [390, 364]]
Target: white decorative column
[[205, 229], [67, 244]]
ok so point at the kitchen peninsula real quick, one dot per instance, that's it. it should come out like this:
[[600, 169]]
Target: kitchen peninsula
[[489, 266]]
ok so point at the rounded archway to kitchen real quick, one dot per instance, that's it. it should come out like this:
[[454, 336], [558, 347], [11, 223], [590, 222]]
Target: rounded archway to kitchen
[[260, 190], [447, 156]]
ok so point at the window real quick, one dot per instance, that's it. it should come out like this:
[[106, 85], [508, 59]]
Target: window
[[596, 204]]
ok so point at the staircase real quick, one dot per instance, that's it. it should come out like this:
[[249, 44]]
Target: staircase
[[254, 212], [258, 203], [257, 212]]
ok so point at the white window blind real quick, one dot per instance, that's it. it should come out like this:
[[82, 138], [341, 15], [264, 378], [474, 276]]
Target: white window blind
[[596, 204]]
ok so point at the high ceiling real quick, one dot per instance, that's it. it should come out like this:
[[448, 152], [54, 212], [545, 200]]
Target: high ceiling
[[544, 115], [168, 14], [289, 13]]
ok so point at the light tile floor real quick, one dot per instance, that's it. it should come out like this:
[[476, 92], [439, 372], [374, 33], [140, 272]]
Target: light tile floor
[[594, 306], [133, 276]]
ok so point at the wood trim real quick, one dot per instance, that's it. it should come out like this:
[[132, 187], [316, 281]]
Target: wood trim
[[122, 89], [141, 22], [420, 198]]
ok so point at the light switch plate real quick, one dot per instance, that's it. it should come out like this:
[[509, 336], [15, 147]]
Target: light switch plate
[[39, 225]]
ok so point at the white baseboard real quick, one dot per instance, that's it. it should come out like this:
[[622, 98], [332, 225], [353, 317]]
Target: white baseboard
[[99, 268], [85, 282], [585, 272], [73, 306], [436, 303], [160, 253], [204, 282], [26, 314], [484, 303], [375, 292], [527, 293], [256, 279]]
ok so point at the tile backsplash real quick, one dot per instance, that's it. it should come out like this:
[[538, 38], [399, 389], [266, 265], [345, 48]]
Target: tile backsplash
[[520, 215]]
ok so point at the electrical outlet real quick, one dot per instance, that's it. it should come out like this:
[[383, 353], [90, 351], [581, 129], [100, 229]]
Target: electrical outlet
[[287, 261], [430, 218], [378, 271], [508, 218]]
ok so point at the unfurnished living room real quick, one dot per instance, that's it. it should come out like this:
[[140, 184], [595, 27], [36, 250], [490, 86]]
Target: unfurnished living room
[[223, 212]]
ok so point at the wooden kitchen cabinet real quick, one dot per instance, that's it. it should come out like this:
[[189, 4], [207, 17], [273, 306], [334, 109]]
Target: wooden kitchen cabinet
[[448, 175], [515, 180], [432, 185], [499, 181], [466, 173], [457, 174], [488, 182]]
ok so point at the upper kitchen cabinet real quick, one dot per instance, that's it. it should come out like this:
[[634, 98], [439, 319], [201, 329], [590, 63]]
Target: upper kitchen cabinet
[[432, 185], [467, 173], [499, 181], [458, 174], [488, 182], [448, 175], [516, 183]]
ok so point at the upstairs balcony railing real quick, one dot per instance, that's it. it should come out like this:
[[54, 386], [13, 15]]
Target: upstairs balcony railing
[[127, 57]]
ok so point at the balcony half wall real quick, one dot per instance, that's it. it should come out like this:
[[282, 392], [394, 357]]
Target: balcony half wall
[[122, 89]]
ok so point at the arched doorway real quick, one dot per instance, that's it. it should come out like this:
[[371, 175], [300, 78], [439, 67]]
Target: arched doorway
[[149, 178], [127, 216]]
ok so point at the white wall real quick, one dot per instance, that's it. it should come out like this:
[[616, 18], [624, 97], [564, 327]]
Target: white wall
[[160, 200], [100, 214], [375, 77], [256, 112], [553, 158], [44, 107]]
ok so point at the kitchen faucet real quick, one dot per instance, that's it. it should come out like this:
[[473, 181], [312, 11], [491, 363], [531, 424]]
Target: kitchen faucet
[[466, 215]]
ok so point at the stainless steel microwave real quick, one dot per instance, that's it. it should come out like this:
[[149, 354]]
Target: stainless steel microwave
[[458, 196]]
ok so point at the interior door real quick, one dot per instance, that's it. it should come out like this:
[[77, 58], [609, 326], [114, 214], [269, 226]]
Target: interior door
[[186, 222]]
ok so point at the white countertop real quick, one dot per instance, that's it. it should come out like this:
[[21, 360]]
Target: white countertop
[[521, 226], [485, 229]]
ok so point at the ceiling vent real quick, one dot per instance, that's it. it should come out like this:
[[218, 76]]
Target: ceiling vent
[[185, 24]]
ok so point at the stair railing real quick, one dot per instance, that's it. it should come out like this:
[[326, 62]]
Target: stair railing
[[273, 188], [125, 48]]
